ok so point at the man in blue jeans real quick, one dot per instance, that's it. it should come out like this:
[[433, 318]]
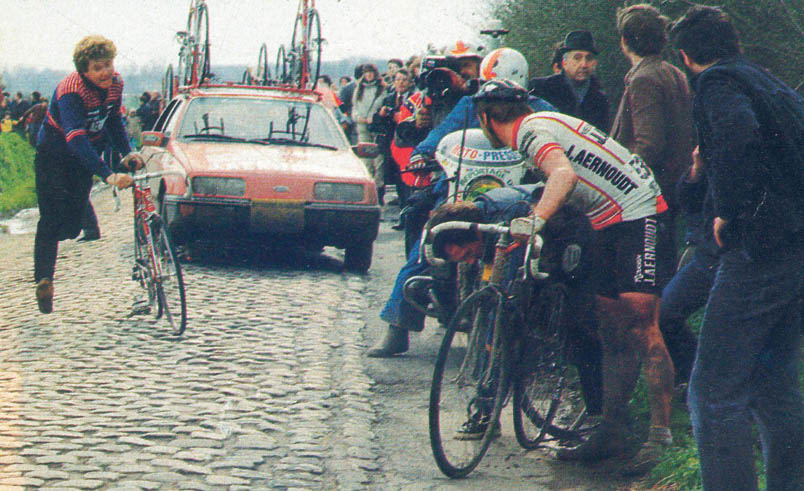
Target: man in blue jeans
[[688, 290], [746, 370]]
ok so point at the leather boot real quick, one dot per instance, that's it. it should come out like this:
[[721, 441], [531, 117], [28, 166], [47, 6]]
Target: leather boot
[[44, 295], [394, 342], [608, 441]]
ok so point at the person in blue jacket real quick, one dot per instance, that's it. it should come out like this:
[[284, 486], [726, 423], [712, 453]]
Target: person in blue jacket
[[747, 366], [82, 117], [504, 63]]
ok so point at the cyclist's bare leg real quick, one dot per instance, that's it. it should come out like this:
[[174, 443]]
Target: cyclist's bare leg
[[631, 335]]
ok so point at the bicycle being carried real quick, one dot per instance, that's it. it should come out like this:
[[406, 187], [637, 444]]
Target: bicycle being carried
[[156, 267], [511, 332]]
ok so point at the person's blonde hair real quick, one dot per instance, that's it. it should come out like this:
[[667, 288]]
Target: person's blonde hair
[[94, 47]]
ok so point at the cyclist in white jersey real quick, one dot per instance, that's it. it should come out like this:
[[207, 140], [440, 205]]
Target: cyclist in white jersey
[[613, 184], [581, 165]]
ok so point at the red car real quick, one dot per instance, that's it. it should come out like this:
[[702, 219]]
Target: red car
[[262, 162]]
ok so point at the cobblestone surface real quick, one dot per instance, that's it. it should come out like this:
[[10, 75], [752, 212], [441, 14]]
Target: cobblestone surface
[[266, 388]]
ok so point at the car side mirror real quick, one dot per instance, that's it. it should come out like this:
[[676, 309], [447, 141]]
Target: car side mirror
[[153, 139], [366, 150]]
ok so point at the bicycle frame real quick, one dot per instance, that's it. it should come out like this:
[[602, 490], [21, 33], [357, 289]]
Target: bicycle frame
[[145, 210], [191, 47], [305, 49]]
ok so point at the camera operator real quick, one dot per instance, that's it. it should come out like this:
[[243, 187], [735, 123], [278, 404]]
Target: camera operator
[[443, 80], [501, 63], [400, 316]]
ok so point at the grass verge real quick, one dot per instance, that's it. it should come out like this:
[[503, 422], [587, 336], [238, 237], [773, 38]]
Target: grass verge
[[17, 189]]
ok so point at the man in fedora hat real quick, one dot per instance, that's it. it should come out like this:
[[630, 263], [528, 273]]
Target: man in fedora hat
[[576, 91]]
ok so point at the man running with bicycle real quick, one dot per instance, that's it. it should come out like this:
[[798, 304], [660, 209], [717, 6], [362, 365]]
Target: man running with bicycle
[[583, 167], [83, 116]]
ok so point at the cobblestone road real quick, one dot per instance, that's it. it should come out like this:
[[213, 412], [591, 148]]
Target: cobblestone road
[[264, 390]]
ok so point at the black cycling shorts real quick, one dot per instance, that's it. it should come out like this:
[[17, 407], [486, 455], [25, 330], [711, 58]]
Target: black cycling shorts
[[635, 256]]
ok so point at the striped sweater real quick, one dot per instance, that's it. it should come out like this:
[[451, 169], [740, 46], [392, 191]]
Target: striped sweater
[[82, 119]]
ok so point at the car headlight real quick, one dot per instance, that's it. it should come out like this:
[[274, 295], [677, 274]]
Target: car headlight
[[338, 191], [219, 186]]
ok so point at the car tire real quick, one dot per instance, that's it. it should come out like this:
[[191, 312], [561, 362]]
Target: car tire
[[357, 258], [163, 212]]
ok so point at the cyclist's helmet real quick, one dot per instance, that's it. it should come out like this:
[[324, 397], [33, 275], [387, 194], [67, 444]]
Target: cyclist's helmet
[[461, 50], [505, 63], [501, 90]]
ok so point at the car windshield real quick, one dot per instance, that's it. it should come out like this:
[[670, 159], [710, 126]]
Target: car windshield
[[265, 121]]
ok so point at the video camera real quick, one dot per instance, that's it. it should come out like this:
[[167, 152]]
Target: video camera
[[436, 82]]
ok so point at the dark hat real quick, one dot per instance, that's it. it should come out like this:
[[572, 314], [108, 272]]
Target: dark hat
[[145, 97], [579, 41]]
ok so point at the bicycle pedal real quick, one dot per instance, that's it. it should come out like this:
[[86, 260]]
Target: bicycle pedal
[[140, 307]]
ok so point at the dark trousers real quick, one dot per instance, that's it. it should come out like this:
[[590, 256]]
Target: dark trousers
[[746, 372], [62, 187]]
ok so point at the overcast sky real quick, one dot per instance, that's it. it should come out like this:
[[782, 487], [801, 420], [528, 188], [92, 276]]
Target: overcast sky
[[43, 33]]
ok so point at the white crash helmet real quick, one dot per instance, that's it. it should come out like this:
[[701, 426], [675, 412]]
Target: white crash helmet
[[505, 63], [461, 50]]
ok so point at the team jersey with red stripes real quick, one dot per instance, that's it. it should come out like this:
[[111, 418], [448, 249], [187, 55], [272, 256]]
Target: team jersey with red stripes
[[614, 185], [77, 117]]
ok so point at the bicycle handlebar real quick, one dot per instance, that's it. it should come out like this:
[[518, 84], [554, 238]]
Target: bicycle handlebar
[[535, 243], [532, 252], [142, 177]]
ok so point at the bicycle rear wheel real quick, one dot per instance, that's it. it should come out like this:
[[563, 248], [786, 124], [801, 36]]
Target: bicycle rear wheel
[[143, 273], [170, 283], [469, 386], [547, 398]]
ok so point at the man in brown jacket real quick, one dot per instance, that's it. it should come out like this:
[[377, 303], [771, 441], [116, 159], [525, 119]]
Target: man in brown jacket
[[654, 119]]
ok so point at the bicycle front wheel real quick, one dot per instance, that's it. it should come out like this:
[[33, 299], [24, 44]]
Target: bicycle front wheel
[[547, 399], [169, 283], [468, 386]]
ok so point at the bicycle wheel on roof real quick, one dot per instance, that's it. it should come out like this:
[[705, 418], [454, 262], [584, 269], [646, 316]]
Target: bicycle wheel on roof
[[168, 89], [313, 48], [281, 68], [263, 74], [196, 44]]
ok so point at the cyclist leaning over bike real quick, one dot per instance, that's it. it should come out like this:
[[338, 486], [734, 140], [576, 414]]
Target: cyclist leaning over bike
[[582, 166], [567, 227]]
